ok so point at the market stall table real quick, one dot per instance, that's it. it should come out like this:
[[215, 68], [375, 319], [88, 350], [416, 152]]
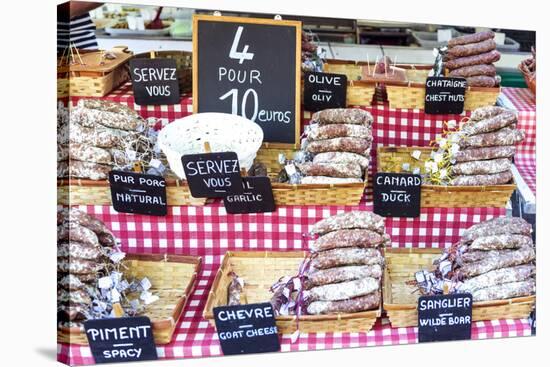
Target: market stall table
[[210, 232]]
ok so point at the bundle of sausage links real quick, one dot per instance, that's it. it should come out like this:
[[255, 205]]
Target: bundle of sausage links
[[493, 260], [472, 57], [342, 273], [479, 153], [97, 137], [346, 264], [88, 266], [338, 143]]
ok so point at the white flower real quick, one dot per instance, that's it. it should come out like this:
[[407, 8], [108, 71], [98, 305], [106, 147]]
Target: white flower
[[442, 142], [443, 173], [454, 138], [451, 124], [455, 149], [438, 158]]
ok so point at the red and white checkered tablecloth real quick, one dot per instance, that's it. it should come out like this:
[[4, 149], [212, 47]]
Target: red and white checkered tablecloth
[[527, 168], [524, 102], [522, 98], [209, 232], [195, 337]]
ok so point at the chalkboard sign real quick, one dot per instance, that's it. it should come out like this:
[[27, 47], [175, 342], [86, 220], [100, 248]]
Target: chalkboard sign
[[212, 175], [444, 95], [138, 193], [397, 194], [247, 328], [324, 90], [124, 339], [445, 317], [155, 81], [257, 197], [249, 67]]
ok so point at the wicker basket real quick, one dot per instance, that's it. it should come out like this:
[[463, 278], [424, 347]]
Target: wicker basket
[[90, 192], [94, 80], [172, 278], [400, 299], [307, 194], [360, 93], [260, 270], [184, 66], [411, 95], [390, 159]]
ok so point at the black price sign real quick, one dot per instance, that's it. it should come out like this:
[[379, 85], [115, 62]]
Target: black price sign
[[138, 193], [155, 81], [249, 67], [125, 339], [445, 317], [257, 197], [444, 95], [397, 194], [324, 90], [212, 175], [247, 329]]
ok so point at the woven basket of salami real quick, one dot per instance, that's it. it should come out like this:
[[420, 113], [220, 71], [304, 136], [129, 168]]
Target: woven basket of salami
[[335, 287], [494, 261], [184, 63], [97, 280], [98, 136], [93, 73], [470, 163], [331, 168], [365, 78]]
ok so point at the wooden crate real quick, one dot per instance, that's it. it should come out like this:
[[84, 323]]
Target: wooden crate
[[400, 299], [260, 269]]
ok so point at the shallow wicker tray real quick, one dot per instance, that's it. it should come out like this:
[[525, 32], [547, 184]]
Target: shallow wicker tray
[[307, 194], [390, 159], [400, 299], [91, 192], [172, 278], [411, 95], [260, 270]]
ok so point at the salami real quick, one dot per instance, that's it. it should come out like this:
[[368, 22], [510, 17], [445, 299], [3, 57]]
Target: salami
[[77, 233], [342, 274], [331, 169], [482, 180], [342, 291], [91, 170], [62, 152], [477, 255], [102, 137], [482, 167], [352, 145], [497, 226], [88, 153], [88, 221], [346, 256], [63, 169], [355, 116], [73, 312], [349, 238], [484, 58], [320, 180], [97, 113], [471, 38], [505, 291], [70, 281], [358, 304], [342, 157], [483, 113], [77, 266], [473, 70], [324, 132], [499, 276], [476, 154], [518, 257], [501, 242], [502, 137], [78, 250], [471, 49], [74, 297], [490, 124], [483, 81], [350, 220]]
